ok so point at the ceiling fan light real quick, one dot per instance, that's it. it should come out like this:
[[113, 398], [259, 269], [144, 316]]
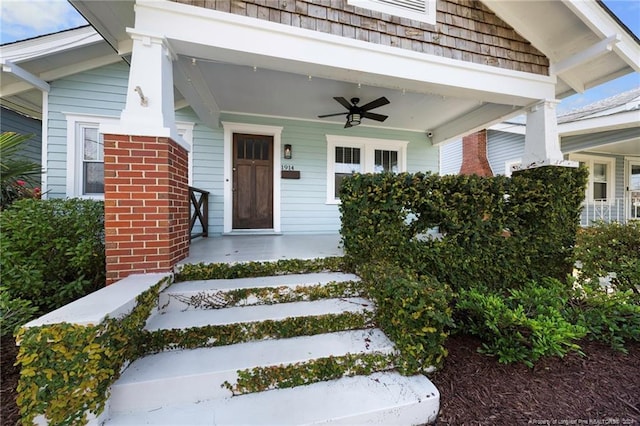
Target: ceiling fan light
[[354, 119]]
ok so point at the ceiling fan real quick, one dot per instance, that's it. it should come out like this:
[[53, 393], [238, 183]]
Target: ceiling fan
[[356, 113]]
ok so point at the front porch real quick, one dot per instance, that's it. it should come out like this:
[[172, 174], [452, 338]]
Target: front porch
[[246, 248]]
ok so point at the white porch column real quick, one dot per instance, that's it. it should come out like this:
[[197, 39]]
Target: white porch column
[[149, 110], [542, 142]]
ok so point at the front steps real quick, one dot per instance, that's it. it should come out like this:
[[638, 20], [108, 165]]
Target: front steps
[[312, 333]]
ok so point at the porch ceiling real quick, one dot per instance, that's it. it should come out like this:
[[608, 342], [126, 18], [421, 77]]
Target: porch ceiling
[[260, 91]]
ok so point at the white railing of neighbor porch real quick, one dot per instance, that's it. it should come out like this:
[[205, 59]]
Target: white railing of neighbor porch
[[603, 211]]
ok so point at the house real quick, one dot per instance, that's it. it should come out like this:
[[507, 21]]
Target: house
[[267, 105], [605, 136], [12, 121]]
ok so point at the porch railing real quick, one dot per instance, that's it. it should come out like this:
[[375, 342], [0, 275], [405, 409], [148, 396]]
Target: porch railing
[[199, 212], [604, 211]]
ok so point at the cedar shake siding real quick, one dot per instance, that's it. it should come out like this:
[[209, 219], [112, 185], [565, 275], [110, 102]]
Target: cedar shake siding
[[465, 29]]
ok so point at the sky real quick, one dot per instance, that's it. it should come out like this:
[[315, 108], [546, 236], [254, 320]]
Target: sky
[[22, 19]]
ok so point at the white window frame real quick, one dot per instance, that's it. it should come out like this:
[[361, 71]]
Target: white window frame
[[590, 160], [387, 6], [368, 147], [74, 148]]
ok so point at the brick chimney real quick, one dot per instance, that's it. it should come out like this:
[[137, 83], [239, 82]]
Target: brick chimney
[[474, 155]]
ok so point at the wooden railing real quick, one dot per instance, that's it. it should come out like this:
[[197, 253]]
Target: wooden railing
[[199, 212]]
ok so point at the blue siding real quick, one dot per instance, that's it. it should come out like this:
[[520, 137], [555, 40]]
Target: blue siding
[[503, 147], [303, 202], [101, 91], [451, 158], [304, 207], [11, 121]]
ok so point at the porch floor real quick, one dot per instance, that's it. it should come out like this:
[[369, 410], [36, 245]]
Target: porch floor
[[244, 248]]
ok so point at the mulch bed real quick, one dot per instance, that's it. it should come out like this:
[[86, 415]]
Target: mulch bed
[[601, 388]]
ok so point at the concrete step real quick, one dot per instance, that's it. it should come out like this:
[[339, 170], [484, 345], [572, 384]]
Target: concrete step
[[216, 294], [385, 398], [198, 374], [200, 318]]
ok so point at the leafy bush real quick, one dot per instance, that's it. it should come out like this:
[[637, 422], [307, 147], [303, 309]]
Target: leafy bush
[[13, 312], [52, 251], [606, 248], [524, 325], [414, 311], [612, 318]]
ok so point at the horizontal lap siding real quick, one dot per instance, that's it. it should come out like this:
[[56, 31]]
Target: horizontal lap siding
[[503, 147], [208, 166], [304, 207], [451, 158], [101, 91], [11, 121]]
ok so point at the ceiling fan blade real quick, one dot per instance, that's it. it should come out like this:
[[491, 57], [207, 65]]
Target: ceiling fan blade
[[342, 101], [347, 125], [374, 116], [332, 115], [375, 104]]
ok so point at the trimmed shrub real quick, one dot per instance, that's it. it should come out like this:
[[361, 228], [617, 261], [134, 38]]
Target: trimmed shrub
[[606, 248], [496, 232], [414, 312], [52, 251]]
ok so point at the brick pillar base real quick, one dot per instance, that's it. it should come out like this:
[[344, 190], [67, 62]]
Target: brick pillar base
[[146, 205], [474, 155]]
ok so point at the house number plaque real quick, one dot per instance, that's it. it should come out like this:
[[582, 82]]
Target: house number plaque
[[289, 172]]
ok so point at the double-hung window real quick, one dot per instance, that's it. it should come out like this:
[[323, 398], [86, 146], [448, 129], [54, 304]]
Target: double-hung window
[[601, 185], [85, 153], [348, 155]]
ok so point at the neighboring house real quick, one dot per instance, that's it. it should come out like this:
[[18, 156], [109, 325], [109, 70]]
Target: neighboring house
[[226, 96], [604, 135], [11, 121]]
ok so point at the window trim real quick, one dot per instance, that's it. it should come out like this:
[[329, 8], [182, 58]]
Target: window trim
[[74, 149], [589, 160], [367, 146], [428, 16]]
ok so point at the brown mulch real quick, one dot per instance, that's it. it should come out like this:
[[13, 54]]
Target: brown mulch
[[601, 388], [9, 414]]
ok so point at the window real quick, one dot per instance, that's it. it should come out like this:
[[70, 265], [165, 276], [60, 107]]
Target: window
[[601, 185], [92, 179], [417, 10], [85, 154], [348, 155]]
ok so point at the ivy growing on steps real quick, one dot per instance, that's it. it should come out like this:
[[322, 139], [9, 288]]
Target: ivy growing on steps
[[228, 334], [303, 373], [67, 368]]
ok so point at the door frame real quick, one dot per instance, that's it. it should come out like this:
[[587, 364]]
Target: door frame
[[253, 129]]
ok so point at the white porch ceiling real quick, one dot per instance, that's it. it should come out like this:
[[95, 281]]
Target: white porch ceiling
[[243, 89]]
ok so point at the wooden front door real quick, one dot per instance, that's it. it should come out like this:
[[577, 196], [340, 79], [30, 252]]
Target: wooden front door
[[252, 181]]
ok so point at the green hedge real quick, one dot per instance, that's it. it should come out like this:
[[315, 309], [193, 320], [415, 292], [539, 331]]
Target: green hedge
[[497, 232], [52, 251]]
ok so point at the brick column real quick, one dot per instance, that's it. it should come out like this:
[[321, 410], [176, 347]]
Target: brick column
[[474, 155], [146, 204]]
